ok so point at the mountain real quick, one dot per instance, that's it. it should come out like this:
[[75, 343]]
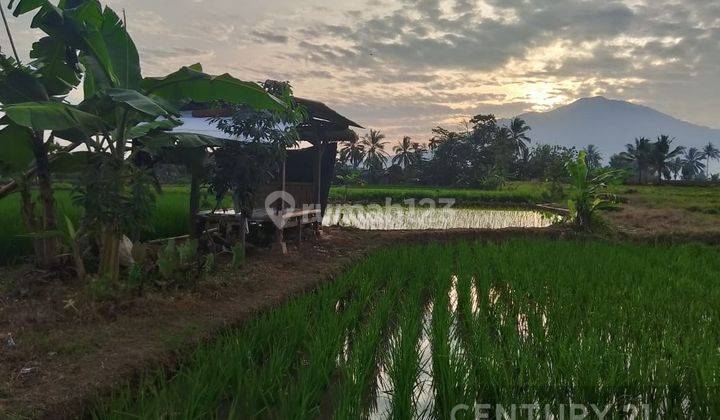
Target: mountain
[[610, 124]]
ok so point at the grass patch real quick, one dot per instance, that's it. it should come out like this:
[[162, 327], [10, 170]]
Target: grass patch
[[692, 198], [426, 327]]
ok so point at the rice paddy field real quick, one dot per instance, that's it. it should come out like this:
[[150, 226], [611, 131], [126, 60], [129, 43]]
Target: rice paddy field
[[427, 331]]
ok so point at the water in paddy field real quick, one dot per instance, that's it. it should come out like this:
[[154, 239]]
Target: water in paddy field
[[497, 300], [421, 218]]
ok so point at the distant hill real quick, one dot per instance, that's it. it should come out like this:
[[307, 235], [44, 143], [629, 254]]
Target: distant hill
[[610, 124]]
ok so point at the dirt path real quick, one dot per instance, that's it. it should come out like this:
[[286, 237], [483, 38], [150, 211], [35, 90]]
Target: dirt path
[[68, 349]]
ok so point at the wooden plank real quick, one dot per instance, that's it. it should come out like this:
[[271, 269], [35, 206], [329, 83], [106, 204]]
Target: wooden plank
[[299, 213]]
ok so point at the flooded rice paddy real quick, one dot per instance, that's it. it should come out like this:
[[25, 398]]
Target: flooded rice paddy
[[417, 331], [376, 217]]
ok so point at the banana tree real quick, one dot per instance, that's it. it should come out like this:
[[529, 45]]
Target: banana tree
[[589, 192], [120, 110], [26, 148]]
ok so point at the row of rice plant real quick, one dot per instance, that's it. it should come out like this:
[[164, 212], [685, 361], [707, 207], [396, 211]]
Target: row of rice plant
[[418, 331]]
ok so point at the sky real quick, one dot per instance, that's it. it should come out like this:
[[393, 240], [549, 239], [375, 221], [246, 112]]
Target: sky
[[406, 66]]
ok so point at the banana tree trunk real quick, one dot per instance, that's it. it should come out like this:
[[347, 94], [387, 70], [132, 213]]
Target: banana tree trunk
[[49, 245], [27, 214], [109, 269]]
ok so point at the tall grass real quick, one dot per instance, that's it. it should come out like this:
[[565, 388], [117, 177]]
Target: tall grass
[[522, 322]]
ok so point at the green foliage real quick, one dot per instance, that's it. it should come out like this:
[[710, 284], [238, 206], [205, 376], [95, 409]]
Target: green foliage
[[178, 264], [16, 146], [589, 193], [58, 74], [106, 201], [240, 169], [187, 252]]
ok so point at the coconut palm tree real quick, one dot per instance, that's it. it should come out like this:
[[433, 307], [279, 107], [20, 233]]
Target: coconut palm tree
[[593, 158], [692, 163], [710, 152], [418, 152], [662, 154], [375, 154], [639, 153], [518, 133], [403, 153], [353, 151], [676, 166]]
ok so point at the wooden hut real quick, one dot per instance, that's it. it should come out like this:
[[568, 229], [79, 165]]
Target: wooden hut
[[306, 174]]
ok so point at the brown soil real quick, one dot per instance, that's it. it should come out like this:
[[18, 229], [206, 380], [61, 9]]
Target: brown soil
[[69, 348]]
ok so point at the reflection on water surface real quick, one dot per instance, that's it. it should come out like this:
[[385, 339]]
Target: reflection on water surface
[[421, 218]]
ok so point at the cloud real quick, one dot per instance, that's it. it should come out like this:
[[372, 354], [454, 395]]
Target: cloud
[[406, 65], [269, 37]]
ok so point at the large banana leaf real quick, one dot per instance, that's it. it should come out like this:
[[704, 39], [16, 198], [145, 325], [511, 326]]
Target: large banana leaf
[[123, 53], [57, 65], [161, 142], [19, 85], [16, 147], [40, 116], [91, 36], [136, 101], [147, 128], [24, 6], [191, 84]]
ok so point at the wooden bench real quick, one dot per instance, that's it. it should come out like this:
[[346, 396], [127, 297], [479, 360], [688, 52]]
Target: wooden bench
[[224, 222], [298, 219]]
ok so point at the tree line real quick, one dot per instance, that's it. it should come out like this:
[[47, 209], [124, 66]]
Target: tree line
[[655, 161], [486, 153]]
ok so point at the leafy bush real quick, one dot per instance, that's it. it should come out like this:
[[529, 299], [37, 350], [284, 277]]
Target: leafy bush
[[178, 264]]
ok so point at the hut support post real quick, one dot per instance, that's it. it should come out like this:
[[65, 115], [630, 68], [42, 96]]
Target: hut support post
[[194, 200], [279, 234]]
